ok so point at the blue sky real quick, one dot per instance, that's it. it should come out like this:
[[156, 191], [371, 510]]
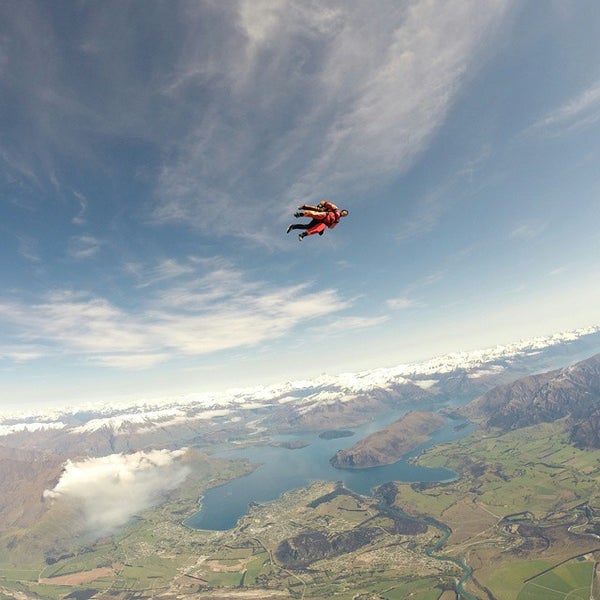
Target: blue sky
[[152, 154]]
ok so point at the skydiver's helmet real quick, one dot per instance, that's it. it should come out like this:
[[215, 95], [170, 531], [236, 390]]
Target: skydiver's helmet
[[344, 212]]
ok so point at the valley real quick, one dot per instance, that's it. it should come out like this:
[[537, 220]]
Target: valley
[[524, 512], [521, 518]]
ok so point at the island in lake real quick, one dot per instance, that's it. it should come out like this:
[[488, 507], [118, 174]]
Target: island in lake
[[389, 445], [332, 434], [290, 444]]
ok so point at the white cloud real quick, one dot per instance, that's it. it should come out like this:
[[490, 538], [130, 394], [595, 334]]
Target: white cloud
[[208, 311], [79, 218], [429, 210], [577, 113], [400, 303], [425, 281], [76, 322], [130, 362], [558, 271], [346, 324], [333, 98], [20, 353], [167, 268], [112, 489], [259, 17], [143, 414], [428, 213], [405, 90], [528, 230], [83, 246], [28, 248], [252, 104]]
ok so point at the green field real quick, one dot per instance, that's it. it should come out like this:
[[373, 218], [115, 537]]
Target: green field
[[532, 471], [508, 578], [19, 574], [570, 581]]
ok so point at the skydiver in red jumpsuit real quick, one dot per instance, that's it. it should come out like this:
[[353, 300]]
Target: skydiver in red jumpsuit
[[324, 215]]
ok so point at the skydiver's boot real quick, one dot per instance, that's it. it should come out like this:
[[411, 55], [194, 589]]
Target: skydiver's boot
[[302, 235]]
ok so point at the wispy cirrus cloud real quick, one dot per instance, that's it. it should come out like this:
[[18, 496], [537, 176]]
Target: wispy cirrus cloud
[[82, 247], [428, 212], [79, 218], [73, 93], [165, 270], [20, 353], [28, 248], [244, 102], [408, 83], [354, 95], [400, 303], [558, 271], [409, 297], [205, 312], [580, 112], [528, 230], [350, 323]]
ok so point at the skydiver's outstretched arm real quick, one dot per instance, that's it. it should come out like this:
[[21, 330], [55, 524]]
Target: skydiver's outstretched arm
[[311, 208]]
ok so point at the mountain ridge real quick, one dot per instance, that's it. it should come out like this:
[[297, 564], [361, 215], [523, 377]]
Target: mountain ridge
[[571, 393], [460, 373]]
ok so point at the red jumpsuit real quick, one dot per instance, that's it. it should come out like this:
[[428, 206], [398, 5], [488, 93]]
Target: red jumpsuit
[[321, 219]]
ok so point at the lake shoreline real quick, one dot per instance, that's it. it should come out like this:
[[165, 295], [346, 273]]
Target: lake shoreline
[[279, 470]]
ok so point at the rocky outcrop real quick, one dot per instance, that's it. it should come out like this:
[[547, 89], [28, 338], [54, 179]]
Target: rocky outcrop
[[300, 551]]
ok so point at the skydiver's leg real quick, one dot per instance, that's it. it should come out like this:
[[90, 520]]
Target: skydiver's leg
[[312, 228], [298, 226], [315, 227], [309, 228], [303, 226]]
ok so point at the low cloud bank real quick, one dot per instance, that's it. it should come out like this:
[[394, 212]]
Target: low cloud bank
[[112, 489]]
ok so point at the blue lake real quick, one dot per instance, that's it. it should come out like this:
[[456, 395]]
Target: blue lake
[[282, 469]]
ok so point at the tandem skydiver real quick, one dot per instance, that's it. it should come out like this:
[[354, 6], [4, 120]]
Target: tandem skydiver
[[324, 215]]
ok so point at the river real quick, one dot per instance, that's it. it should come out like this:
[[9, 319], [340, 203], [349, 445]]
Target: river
[[431, 552]]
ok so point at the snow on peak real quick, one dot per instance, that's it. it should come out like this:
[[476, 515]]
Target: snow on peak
[[8, 429], [145, 415]]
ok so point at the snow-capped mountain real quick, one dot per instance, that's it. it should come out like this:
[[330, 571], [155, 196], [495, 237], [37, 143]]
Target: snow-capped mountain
[[344, 399]]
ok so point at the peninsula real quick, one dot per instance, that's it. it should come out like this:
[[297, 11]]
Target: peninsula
[[389, 445]]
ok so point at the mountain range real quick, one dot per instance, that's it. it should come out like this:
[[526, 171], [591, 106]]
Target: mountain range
[[571, 394], [250, 414], [72, 453]]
